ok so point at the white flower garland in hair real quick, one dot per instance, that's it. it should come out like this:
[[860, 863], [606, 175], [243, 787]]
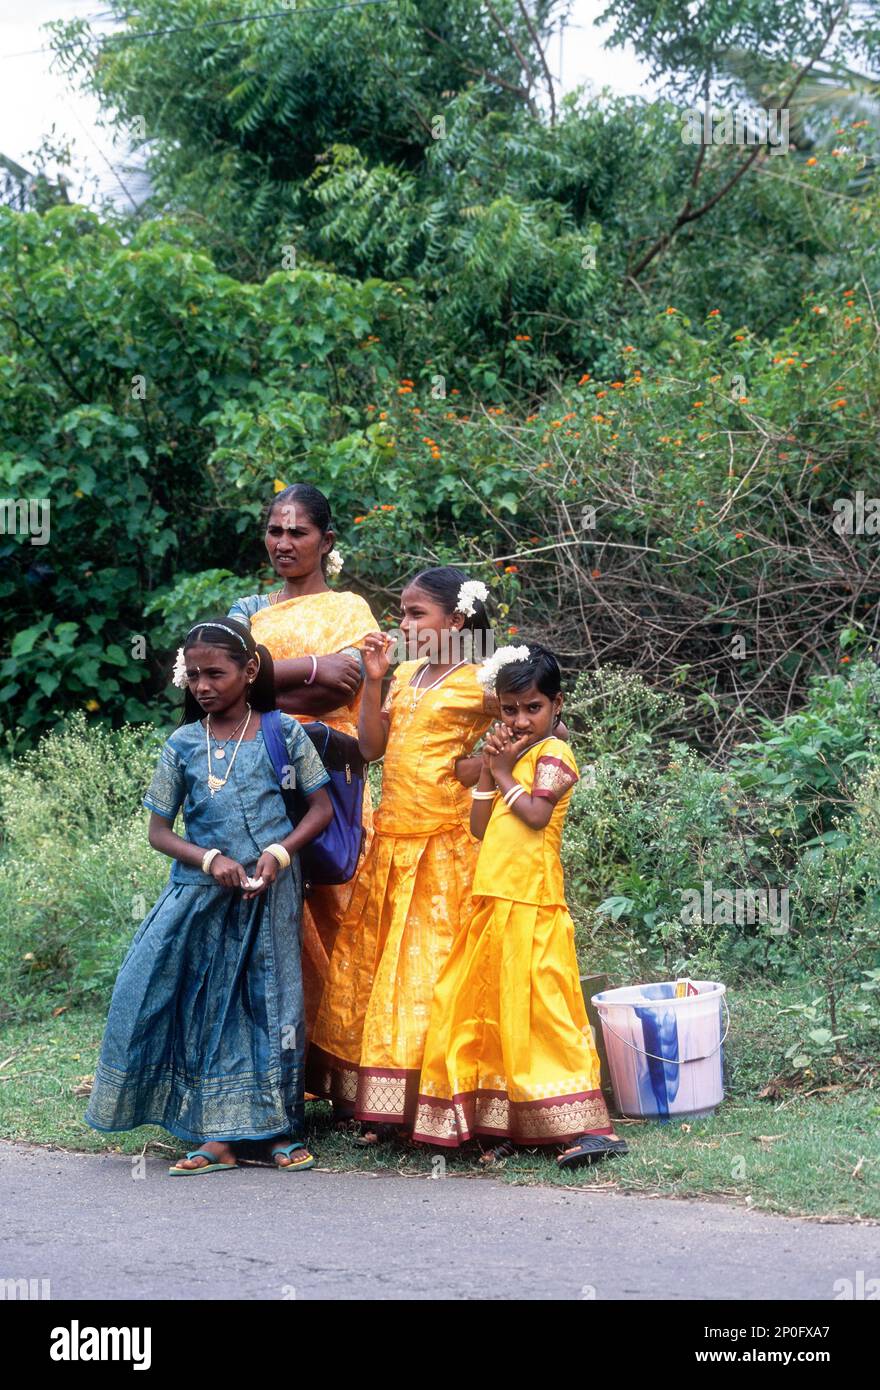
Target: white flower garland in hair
[[487, 673], [178, 676], [470, 590], [334, 563]]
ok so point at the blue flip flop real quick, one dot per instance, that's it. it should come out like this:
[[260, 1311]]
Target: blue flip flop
[[293, 1166], [212, 1167]]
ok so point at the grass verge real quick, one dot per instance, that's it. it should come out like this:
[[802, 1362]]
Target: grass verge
[[809, 1154]]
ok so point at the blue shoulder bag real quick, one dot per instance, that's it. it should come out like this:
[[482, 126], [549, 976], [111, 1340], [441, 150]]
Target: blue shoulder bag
[[333, 855]]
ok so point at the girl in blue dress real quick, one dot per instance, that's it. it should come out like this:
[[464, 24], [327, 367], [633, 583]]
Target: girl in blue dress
[[205, 1034]]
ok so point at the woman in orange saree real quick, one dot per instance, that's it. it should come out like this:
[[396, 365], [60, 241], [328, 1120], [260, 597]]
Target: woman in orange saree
[[315, 635]]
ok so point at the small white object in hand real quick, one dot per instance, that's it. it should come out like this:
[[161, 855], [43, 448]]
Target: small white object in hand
[[487, 672], [178, 676], [470, 590], [254, 883]]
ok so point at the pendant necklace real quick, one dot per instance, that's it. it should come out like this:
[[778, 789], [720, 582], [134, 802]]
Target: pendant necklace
[[220, 750], [215, 783]]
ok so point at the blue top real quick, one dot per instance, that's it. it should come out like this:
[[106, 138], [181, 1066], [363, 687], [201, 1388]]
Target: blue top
[[246, 815]]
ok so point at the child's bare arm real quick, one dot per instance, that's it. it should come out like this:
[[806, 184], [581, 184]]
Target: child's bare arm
[[224, 869]]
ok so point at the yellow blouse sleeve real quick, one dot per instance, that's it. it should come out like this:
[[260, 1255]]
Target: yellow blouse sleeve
[[555, 771]]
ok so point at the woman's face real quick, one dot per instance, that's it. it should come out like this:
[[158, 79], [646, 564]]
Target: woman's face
[[294, 543]]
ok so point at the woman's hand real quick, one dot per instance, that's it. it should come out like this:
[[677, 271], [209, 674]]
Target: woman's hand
[[341, 670], [377, 646], [267, 869], [228, 872]]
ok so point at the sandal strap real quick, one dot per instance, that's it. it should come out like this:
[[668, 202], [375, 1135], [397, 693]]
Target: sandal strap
[[287, 1149]]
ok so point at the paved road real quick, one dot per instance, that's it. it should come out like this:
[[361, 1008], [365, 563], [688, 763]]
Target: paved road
[[84, 1222]]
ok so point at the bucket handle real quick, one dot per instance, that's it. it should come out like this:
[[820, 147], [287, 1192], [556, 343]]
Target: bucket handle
[[673, 1061]]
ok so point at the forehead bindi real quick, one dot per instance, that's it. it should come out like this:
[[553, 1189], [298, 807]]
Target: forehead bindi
[[522, 697]]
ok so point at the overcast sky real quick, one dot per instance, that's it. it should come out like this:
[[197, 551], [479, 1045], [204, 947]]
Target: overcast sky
[[33, 98]]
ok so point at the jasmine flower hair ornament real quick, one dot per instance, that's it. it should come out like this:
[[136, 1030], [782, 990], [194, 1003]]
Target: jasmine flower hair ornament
[[487, 673], [178, 676], [334, 563], [470, 590]]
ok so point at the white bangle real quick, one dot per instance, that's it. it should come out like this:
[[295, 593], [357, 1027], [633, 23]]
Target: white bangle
[[483, 796], [314, 661], [208, 858], [513, 794], [280, 854]]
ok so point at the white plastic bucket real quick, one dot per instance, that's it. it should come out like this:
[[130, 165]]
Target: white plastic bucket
[[665, 1054]]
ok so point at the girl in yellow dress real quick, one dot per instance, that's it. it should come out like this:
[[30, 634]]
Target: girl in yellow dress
[[413, 887], [509, 1051]]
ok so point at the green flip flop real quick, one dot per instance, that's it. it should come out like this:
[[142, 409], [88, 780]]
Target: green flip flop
[[293, 1166], [212, 1167]]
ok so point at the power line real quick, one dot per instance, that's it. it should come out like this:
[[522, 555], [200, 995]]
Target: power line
[[287, 13]]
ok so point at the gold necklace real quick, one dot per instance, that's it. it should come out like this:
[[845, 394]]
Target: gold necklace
[[215, 783]]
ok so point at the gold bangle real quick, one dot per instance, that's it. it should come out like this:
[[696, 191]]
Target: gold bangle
[[280, 854], [208, 858]]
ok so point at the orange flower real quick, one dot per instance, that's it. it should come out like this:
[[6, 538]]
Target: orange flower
[[511, 569], [701, 503], [739, 337], [617, 385], [512, 630], [629, 349], [555, 424], [595, 574], [387, 507], [598, 419], [812, 160], [359, 519], [838, 405], [713, 313], [739, 535], [844, 661], [743, 400], [697, 404], [672, 311], [584, 379], [600, 394], [383, 414], [455, 391]]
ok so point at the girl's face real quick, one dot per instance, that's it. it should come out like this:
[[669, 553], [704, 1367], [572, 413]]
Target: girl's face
[[214, 678], [528, 712], [422, 616], [294, 543]]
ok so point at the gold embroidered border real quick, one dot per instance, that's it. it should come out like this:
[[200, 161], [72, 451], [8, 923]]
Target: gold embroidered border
[[454, 1121], [332, 1078], [386, 1097]]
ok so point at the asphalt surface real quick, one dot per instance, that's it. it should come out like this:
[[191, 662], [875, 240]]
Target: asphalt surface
[[97, 1230]]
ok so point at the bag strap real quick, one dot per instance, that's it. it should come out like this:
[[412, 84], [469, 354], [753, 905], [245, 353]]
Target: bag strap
[[276, 746]]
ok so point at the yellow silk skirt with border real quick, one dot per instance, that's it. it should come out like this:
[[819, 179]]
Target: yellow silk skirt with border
[[509, 1050], [411, 898]]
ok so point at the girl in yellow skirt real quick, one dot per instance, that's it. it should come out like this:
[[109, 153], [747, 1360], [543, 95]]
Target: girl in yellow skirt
[[509, 1051], [413, 887]]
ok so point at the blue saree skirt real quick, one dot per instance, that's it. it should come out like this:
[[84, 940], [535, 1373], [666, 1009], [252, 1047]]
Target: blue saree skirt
[[205, 1034]]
